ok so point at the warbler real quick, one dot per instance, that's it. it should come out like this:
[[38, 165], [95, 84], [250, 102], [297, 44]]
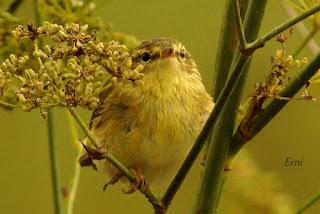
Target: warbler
[[150, 127]]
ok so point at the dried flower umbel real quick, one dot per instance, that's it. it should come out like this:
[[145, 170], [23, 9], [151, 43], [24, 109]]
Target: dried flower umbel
[[274, 82], [71, 71]]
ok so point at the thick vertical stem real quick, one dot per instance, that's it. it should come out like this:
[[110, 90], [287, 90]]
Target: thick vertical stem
[[209, 194], [226, 48], [214, 176]]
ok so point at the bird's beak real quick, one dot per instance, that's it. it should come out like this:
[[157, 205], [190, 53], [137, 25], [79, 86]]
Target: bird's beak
[[168, 52]]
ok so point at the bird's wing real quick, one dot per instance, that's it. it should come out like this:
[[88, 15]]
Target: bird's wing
[[102, 97], [85, 159]]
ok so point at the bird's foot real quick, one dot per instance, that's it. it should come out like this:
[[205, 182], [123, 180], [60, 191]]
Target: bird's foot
[[138, 182], [114, 179], [134, 185], [91, 154], [95, 153]]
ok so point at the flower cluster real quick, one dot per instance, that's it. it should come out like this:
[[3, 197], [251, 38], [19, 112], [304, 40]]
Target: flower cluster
[[274, 83], [278, 76], [71, 71]]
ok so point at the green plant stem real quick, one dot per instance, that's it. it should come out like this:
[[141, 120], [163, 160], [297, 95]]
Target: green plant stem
[[116, 163], [14, 5], [84, 127], [226, 49], [275, 106], [263, 39], [8, 105], [242, 38], [305, 41], [308, 203], [217, 166], [109, 157], [226, 92], [76, 175], [253, 19], [50, 126], [209, 192], [53, 164]]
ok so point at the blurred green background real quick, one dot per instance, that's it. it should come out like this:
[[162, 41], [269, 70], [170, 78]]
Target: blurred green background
[[24, 165]]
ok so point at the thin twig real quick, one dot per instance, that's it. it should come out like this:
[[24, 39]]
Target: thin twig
[[93, 140], [303, 30], [84, 127], [8, 105], [258, 43], [116, 163], [242, 38], [308, 203]]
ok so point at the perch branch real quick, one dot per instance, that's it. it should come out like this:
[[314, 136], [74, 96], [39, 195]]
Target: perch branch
[[258, 43]]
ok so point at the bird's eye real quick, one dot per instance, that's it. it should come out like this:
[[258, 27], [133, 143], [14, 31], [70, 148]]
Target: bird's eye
[[145, 57], [182, 54]]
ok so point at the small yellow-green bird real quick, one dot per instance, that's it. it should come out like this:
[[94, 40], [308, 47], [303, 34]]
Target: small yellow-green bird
[[150, 127]]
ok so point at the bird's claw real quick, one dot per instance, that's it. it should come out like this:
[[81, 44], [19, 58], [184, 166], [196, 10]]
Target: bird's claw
[[114, 179], [134, 185], [95, 153]]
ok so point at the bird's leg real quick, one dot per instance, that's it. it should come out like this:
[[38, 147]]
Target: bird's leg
[[114, 179], [134, 185], [138, 182], [94, 153], [100, 154]]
